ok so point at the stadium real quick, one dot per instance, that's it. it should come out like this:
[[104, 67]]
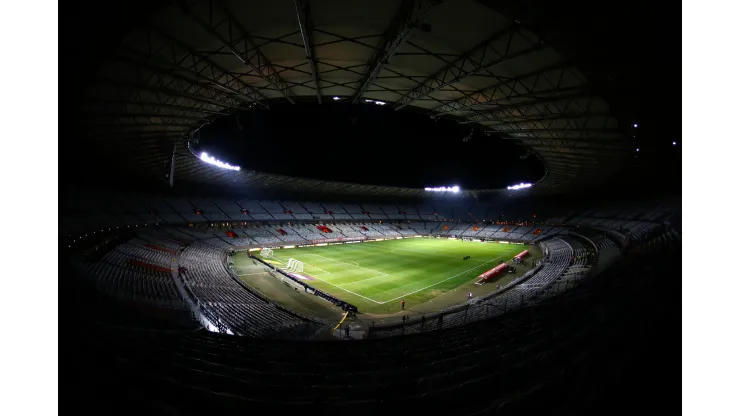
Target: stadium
[[362, 206]]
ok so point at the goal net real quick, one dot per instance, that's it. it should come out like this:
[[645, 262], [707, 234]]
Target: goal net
[[295, 266], [266, 252]]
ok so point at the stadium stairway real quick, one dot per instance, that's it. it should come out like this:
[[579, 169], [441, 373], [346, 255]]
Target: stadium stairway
[[149, 266]]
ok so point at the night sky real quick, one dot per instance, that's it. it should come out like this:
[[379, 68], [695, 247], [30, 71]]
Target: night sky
[[368, 144]]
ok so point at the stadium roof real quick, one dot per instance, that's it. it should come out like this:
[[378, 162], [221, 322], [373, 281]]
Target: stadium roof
[[197, 60]]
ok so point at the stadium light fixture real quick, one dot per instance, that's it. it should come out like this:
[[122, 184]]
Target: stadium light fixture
[[674, 143], [379, 103], [519, 186], [454, 189], [638, 149], [337, 98], [213, 161], [634, 125]]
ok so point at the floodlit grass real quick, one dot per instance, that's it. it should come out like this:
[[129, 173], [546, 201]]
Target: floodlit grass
[[375, 276]]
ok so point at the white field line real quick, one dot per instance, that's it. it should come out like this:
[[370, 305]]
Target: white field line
[[364, 280], [348, 291], [353, 265], [325, 272], [441, 281]]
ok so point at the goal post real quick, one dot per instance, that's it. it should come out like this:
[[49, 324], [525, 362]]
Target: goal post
[[294, 265], [266, 253]]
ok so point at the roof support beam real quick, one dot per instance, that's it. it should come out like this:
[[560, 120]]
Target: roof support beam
[[508, 89], [183, 74], [486, 55], [605, 151], [196, 60], [551, 122], [516, 131], [171, 92], [409, 15], [102, 104], [560, 133], [537, 117], [569, 142], [118, 115], [149, 133], [133, 122], [222, 25], [582, 154], [493, 114], [305, 23]]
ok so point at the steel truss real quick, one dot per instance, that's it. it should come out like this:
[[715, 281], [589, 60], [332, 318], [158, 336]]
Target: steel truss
[[215, 18], [161, 90], [409, 16], [538, 82], [490, 53], [303, 12]]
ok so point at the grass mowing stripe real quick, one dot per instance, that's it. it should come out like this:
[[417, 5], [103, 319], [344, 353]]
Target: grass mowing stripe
[[348, 291], [345, 262], [441, 281], [418, 270], [364, 280]]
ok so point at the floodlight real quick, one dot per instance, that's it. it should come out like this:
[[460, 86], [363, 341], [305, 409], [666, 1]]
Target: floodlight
[[638, 149], [213, 161], [379, 103], [337, 98], [674, 143], [454, 189], [519, 186], [634, 125]]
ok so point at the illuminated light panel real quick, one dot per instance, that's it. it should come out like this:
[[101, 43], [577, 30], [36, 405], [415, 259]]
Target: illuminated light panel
[[519, 186], [454, 189], [367, 100], [213, 161], [337, 98]]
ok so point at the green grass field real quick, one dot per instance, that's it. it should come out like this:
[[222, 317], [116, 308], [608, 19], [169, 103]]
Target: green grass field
[[375, 276]]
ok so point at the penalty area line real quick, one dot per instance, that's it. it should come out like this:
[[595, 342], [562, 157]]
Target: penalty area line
[[348, 291], [345, 262], [341, 288], [365, 280]]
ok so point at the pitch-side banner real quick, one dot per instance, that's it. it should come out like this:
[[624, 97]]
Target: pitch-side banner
[[337, 240]]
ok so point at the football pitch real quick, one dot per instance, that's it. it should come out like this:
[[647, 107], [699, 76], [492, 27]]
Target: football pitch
[[375, 276]]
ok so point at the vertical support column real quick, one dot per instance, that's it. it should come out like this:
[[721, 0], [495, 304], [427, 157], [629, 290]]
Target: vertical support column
[[172, 167]]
